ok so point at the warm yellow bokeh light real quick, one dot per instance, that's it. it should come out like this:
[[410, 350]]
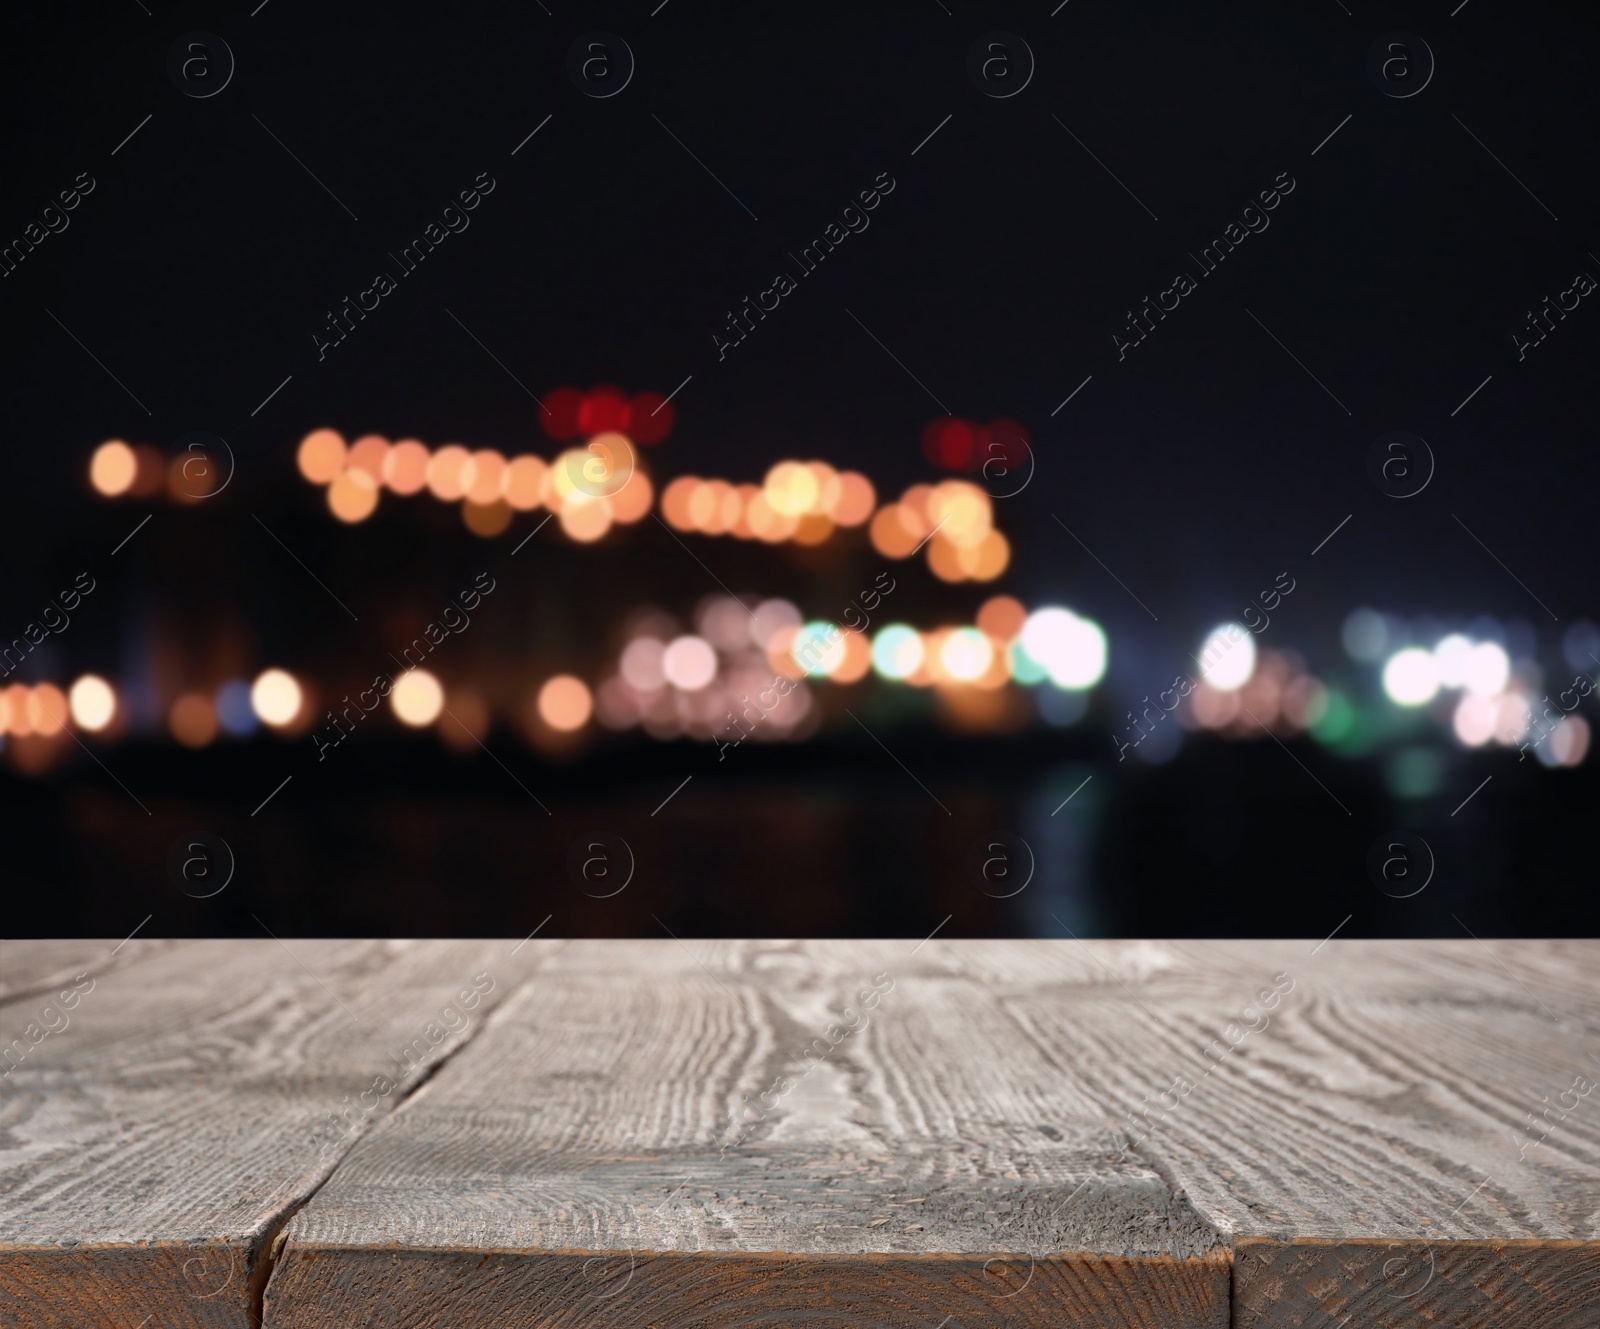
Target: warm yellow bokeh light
[[353, 496], [92, 702], [321, 455], [960, 511], [276, 697], [565, 703], [791, 488], [417, 698], [112, 468]]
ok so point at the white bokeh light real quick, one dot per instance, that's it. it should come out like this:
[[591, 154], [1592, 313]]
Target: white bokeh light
[[1072, 649], [1452, 655], [689, 663], [1487, 671], [1411, 678], [92, 702], [1228, 657]]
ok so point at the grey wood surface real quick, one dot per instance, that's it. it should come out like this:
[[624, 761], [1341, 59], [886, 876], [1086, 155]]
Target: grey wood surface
[[1366, 1134], [34, 966], [156, 1132]]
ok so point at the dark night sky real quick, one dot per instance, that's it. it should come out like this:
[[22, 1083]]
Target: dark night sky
[[1197, 468]]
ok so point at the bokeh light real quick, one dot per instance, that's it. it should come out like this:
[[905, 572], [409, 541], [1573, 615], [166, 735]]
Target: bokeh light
[[1411, 677], [193, 720], [353, 496], [405, 467], [92, 702], [450, 472], [276, 697], [417, 698], [689, 663], [321, 455], [1072, 649], [897, 651], [112, 468], [1487, 669], [565, 703], [818, 648], [966, 654], [234, 711], [1228, 657]]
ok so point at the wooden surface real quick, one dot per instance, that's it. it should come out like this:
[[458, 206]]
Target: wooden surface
[[153, 1143], [769, 1133]]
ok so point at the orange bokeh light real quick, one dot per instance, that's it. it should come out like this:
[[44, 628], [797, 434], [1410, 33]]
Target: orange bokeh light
[[675, 502], [896, 531], [565, 702], [986, 560], [1002, 617], [353, 496], [193, 720], [367, 454], [450, 473], [587, 519], [112, 468], [321, 455], [405, 467], [632, 502], [525, 481], [48, 709], [856, 499], [855, 660], [813, 529], [488, 476], [944, 560], [487, 519]]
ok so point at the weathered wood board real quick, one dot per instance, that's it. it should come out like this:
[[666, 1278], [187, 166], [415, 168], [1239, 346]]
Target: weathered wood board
[[157, 1130], [42, 966], [913, 1159], [698, 1133]]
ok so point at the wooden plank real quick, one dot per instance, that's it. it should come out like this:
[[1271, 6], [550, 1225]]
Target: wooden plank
[[928, 1164], [1358, 1139], [41, 967], [155, 1142]]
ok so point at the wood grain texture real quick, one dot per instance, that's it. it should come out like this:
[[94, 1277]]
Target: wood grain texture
[[42, 967], [155, 1139], [1359, 1134], [1361, 1143], [927, 1163]]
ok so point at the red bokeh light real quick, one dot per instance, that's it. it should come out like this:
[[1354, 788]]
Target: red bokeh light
[[604, 409], [559, 419], [568, 414], [1005, 443], [650, 418], [960, 445], [950, 444]]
